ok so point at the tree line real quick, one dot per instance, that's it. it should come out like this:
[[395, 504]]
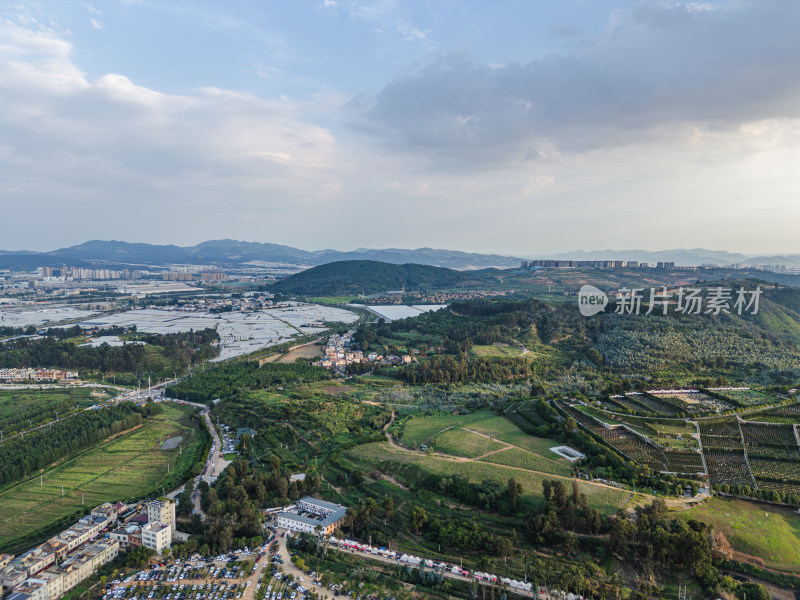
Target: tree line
[[224, 381], [40, 448], [174, 349], [449, 369]]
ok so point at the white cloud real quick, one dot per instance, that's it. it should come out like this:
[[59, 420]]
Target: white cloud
[[569, 150], [96, 23], [112, 138], [655, 72]]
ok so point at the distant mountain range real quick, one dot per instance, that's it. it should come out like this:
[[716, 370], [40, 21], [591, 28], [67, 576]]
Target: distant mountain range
[[235, 253], [228, 253]]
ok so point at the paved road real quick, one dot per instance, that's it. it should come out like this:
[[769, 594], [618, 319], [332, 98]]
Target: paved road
[[289, 567], [215, 464]]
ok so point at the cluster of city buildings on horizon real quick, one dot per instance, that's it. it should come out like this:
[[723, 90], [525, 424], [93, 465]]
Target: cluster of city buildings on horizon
[[635, 264], [51, 569], [71, 280]]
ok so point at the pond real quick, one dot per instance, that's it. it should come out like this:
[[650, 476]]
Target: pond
[[171, 443]]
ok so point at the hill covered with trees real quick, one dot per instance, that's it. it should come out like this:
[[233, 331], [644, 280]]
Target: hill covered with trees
[[368, 277], [606, 352]]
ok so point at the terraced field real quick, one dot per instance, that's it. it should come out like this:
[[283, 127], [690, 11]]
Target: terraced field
[[122, 468]]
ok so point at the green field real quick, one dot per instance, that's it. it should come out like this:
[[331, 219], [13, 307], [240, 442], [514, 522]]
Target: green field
[[460, 442], [419, 429], [119, 469], [25, 408], [505, 431], [494, 350], [766, 531], [605, 499], [514, 457]]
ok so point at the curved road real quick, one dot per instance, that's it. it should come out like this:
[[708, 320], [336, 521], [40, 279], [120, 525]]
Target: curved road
[[214, 464]]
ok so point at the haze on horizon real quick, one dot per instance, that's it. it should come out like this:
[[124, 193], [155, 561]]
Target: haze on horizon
[[505, 127]]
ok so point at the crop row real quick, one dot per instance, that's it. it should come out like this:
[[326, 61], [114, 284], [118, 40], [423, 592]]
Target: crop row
[[775, 470], [757, 434], [727, 467]]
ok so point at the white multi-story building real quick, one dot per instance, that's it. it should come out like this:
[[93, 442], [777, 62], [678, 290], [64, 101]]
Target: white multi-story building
[[157, 536], [309, 513], [161, 511]]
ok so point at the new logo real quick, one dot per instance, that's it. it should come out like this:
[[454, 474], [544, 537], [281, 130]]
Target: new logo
[[591, 300]]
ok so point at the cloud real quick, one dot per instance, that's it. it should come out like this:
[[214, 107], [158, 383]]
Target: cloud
[[96, 23], [389, 16], [104, 139], [563, 30], [655, 72]]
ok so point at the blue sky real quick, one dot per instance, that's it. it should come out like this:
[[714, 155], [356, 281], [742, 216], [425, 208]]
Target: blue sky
[[504, 126]]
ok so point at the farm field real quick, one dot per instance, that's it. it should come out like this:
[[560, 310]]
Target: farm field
[[769, 532], [119, 469], [746, 397], [514, 457], [460, 442], [505, 431], [605, 499], [24, 408], [419, 429], [782, 414]]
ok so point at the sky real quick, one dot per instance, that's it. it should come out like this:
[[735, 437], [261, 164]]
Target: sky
[[512, 127]]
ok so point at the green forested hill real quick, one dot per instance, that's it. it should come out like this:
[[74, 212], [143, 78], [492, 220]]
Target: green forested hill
[[609, 347], [368, 277]]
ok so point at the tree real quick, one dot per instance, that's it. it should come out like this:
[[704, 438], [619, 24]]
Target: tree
[[514, 490], [388, 505], [419, 518], [138, 557]]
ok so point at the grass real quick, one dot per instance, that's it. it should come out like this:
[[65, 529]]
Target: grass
[[605, 499], [419, 429], [494, 350], [514, 457], [460, 442], [768, 532], [119, 469], [505, 431]]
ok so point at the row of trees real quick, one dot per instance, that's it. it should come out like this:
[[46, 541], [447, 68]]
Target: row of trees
[[176, 350], [564, 509], [449, 369], [23, 455], [226, 380], [747, 491]]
